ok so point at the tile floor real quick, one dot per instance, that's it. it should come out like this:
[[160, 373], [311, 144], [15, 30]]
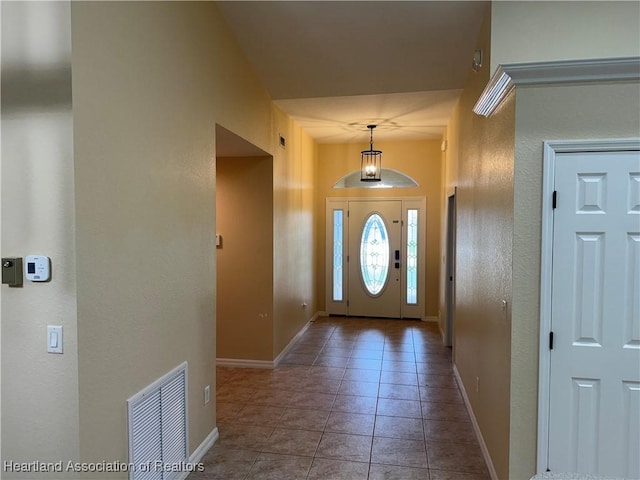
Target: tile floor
[[353, 399]]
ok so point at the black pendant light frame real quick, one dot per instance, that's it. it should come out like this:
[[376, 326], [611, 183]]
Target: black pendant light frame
[[370, 162]]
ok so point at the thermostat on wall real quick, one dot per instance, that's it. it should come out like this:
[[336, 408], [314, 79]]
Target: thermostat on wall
[[38, 268]]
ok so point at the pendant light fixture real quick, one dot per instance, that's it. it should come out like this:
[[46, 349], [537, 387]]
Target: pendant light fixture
[[370, 162]]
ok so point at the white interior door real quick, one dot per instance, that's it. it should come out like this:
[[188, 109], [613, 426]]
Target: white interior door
[[375, 258], [594, 390]]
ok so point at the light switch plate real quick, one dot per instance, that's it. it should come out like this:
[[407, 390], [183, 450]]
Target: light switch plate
[[54, 339]]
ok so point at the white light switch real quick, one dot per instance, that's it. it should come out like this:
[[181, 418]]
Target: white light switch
[[54, 339]]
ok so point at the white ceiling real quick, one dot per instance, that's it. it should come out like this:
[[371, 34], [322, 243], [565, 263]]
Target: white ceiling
[[337, 66]]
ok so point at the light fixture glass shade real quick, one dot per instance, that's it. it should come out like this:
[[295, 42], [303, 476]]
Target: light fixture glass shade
[[370, 166], [370, 162]]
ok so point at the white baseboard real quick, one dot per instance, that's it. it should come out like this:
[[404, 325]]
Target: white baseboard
[[204, 447], [476, 427], [318, 315], [443, 335], [430, 319], [242, 363], [286, 349], [199, 453]]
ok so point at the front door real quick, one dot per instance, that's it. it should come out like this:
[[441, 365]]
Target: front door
[[374, 261], [375, 257], [594, 401]]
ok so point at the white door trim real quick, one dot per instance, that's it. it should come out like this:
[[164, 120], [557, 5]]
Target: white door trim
[[407, 311], [551, 149]]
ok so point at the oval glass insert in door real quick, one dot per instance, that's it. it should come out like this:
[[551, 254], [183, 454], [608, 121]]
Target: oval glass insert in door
[[374, 255]]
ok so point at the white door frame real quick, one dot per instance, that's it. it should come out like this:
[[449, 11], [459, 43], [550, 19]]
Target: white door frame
[[450, 267], [551, 149]]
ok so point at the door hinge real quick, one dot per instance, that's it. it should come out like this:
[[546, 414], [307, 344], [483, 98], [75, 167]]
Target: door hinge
[[347, 303], [554, 199], [550, 340], [347, 258]]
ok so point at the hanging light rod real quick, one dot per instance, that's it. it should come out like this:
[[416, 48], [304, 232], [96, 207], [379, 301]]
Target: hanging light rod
[[370, 161]]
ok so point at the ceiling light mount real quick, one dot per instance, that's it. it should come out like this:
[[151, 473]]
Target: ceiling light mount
[[370, 161]]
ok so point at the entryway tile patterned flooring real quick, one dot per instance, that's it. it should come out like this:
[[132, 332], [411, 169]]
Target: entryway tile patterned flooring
[[353, 399]]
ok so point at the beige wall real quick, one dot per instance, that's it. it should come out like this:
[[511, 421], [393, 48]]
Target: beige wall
[[496, 163], [294, 254], [244, 218], [144, 129], [480, 164], [151, 81], [551, 113], [283, 298], [132, 170], [40, 390], [421, 160], [542, 31]]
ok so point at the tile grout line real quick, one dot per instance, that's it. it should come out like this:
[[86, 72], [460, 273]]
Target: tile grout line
[[392, 357]]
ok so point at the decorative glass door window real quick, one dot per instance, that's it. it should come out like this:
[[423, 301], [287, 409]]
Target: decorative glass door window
[[374, 254], [412, 256]]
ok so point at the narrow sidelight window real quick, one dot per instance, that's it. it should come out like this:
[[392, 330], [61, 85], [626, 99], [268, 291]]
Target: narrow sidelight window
[[412, 256], [338, 241]]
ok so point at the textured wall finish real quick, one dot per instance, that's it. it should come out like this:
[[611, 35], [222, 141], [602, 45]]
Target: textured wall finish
[[480, 164], [40, 390], [548, 113], [572, 30], [293, 229], [422, 161], [244, 218], [151, 81]]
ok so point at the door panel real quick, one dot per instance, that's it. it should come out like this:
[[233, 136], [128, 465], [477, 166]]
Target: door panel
[[594, 424], [376, 245]]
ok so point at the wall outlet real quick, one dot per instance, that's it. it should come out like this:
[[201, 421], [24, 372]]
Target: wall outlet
[[207, 394]]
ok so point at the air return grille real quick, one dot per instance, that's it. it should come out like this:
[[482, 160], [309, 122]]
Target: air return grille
[[158, 428]]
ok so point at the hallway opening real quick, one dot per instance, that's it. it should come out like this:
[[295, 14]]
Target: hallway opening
[[244, 250]]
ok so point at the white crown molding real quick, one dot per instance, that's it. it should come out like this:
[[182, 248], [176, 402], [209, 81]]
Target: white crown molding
[[509, 76]]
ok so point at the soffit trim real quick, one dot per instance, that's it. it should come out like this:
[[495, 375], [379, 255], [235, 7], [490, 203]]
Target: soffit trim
[[509, 76]]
